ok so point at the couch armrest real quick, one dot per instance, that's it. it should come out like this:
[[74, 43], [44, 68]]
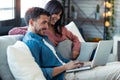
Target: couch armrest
[[86, 50]]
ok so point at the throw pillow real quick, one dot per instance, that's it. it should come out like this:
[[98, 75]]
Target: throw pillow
[[22, 64], [73, 28]]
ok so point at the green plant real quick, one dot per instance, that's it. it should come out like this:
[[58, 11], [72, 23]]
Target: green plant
[[72, 8], [111, 28], [97, 8]]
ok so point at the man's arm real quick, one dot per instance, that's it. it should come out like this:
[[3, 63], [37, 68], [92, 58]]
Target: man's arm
[[69, 65]]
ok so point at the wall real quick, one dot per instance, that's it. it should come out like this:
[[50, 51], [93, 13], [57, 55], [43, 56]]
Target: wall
[[117, 15], [86, 9], [86, 17]]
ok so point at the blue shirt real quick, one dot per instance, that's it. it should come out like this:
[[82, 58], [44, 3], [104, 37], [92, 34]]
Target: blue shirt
[[43, 55]]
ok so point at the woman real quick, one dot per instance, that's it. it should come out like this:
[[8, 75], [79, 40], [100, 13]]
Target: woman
[[56, 33]]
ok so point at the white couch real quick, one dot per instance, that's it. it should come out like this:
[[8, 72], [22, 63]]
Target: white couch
[[86, 47], [7, 40]]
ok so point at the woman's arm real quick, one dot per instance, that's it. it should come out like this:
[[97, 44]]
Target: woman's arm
[[75, 42]]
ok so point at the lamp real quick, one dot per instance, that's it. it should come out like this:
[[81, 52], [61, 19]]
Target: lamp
[[107, 14]]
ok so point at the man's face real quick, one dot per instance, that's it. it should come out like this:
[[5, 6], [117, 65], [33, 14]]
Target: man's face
[[41, 24]]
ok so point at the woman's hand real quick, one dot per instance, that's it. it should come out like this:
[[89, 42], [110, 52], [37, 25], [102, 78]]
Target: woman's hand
[[75, 54]]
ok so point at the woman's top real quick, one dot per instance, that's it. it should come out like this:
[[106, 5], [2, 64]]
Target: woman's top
[[66, 34]]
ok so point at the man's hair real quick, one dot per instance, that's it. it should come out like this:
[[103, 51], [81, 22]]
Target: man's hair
[[34, 13]]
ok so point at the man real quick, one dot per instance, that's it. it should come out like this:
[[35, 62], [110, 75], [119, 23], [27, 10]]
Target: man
[[51, 62]]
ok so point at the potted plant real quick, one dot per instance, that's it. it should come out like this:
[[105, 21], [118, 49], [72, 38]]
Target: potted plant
[[97, 13], [72, 8], [73, 11]]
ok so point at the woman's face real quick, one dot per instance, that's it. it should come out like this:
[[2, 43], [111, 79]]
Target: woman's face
[[55, 17]]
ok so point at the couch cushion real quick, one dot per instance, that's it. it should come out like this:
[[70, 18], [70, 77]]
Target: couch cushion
[[22, 64], [5, 41], [64, 48]]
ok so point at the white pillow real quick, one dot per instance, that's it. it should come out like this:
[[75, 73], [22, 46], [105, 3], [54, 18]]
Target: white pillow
[[73, 28], [22, 64]]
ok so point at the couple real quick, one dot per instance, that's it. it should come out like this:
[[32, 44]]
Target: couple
[[56, 32], [46, 56], [51, 62]]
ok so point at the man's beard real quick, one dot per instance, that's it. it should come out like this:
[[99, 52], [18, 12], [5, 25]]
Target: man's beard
[[40, 30]]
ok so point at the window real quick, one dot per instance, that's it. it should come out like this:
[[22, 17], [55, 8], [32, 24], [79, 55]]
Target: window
[[6, 9], [25, 4]]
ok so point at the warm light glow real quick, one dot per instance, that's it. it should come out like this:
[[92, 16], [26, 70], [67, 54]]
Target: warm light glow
[[109, 13], [105, 15], [107, 4], [107, 23]]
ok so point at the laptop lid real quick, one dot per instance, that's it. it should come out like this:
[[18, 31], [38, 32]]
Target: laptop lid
[[102, 53], [101, 56]]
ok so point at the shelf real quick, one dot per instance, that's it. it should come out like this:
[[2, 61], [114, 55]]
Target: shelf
[[90, 21], [94, 39], [86, 20]]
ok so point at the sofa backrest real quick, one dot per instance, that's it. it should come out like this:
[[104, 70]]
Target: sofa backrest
[[64, 48], [5, 41]]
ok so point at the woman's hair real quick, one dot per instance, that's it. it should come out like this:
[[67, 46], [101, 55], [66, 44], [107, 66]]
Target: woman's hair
[[55, 7]]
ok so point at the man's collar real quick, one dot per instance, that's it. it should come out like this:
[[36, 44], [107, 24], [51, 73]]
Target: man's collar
[[37, 35]]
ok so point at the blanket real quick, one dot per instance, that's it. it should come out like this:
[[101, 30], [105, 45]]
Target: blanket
[[111, 71]]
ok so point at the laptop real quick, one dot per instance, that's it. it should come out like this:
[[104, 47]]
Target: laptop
[[100, 58]]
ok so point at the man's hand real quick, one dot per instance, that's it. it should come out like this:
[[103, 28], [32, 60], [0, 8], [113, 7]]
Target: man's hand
[[73, 64]]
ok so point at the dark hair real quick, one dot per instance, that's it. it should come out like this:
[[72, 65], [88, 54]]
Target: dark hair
[[55, 7], [34, 13]]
